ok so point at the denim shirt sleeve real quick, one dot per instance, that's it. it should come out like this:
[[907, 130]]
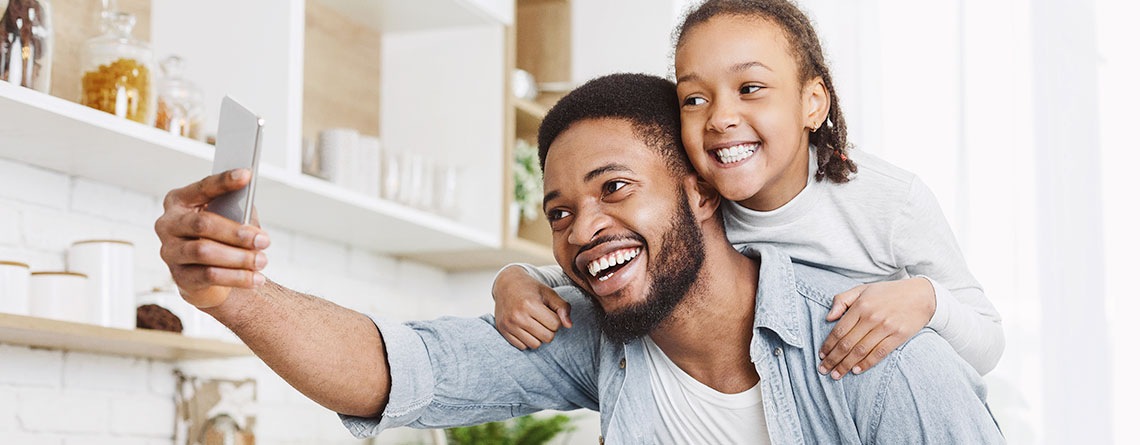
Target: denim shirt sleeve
[[921, 397], [460, 371]]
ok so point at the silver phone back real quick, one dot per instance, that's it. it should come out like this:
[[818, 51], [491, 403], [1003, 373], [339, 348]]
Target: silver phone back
[[238, 146]]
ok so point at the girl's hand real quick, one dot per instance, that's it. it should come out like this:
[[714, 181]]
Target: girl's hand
[[527, 312], [877, 318]]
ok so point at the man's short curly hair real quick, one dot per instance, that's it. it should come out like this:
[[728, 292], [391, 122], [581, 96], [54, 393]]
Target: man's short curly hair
[[647, 102]]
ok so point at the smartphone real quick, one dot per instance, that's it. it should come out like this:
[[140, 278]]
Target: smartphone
[[238, 146]]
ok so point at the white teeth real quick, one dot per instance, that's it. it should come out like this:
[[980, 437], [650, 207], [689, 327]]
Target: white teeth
[[735, 153], [597, 266]]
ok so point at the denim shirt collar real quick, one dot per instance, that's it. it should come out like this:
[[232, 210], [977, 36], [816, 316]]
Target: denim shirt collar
[[776, 307]]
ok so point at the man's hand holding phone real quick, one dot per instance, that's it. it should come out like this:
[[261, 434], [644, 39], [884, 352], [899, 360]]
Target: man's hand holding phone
[[211, 257]]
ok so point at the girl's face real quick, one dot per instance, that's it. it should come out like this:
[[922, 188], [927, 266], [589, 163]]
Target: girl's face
[[745, 113]]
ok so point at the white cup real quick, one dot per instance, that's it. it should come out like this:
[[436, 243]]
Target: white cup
[[14, 287], [60, 295], [338, 156], [109, 266], [368, 166]]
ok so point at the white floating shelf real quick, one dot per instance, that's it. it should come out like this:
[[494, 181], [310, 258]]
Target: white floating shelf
[[56, 134], [69, 336]]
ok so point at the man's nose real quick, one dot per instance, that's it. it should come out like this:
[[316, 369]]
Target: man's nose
[[589, 223], [725, 115]]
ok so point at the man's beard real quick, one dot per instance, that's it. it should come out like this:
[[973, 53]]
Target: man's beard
[[677, 267]]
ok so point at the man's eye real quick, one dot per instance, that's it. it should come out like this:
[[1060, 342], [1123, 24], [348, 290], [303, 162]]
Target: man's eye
[[613, 186], [695, 101], [556, 214], [749, 89]]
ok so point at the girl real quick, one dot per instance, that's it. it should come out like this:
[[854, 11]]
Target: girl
[[761, 122]]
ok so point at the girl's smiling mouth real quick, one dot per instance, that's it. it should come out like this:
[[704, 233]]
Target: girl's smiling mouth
[[733, 155]]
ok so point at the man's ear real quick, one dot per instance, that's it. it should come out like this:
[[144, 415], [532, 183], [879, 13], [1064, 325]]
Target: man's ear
[[703, 198]]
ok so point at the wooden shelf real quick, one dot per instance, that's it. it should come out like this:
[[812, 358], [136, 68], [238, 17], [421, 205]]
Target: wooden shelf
[[55, 134], [55, 334], [528, 116], [514, 251]]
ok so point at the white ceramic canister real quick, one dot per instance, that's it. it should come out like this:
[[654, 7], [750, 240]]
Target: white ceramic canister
[[170, 300], [109, 266], [60, 295], [14, 287], [338, 155]]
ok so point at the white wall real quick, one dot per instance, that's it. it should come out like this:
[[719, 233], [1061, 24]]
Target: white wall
[[54, 397], [619, 36]]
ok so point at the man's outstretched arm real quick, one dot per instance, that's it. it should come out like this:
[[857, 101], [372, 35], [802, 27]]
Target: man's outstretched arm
[[331, 354]]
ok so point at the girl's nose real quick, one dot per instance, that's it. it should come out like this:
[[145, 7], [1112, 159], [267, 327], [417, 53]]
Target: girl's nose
[[723, 118]]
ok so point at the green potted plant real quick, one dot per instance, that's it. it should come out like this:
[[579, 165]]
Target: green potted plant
[[528, 184], [525, 430]]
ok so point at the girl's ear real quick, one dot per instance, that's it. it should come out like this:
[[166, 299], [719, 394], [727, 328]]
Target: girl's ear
[[817, 103], [704, 200]]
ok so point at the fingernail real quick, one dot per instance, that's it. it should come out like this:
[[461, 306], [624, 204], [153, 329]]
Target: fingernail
[[258, 279], [235, 174], [261, 241], [835, 375], [857, 370], [821, 355], [822, 370], [261, 260]]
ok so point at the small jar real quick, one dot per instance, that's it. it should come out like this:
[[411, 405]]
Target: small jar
[[118, 71], [179, 102], [14, 278], [60, 296]]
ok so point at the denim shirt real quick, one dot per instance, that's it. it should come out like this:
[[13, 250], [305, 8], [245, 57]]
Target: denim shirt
[[460, 371]]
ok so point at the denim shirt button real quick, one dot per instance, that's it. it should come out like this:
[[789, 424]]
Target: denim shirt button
[[778, 352], [622, 364]]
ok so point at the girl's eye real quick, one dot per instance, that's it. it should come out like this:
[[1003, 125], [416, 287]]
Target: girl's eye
[[691, 101], [613, 186], [749, 89]]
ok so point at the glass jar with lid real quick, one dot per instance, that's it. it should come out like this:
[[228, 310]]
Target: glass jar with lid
[[26, 44], [179, 102], [118, 71]]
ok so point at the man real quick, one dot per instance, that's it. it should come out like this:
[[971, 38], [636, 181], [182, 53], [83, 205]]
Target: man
[[678, 338]]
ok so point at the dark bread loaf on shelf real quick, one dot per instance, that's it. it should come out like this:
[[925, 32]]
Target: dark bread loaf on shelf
[[153, 316]]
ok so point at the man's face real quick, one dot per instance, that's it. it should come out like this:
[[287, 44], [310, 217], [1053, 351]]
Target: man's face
[[623, 228]]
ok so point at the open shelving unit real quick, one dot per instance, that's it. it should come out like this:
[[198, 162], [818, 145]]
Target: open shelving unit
[[81, 337], [309, 65]]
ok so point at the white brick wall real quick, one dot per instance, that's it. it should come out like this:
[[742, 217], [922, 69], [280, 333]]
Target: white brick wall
[[66, 398]]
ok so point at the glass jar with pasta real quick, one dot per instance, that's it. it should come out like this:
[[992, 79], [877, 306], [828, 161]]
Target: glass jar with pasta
[[118, 71]]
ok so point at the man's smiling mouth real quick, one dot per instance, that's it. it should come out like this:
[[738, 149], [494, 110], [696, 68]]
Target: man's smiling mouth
[[607, 265]]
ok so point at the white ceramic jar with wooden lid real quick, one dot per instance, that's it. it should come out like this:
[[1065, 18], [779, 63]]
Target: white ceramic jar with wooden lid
[[61, 296], [109, 266], [14, 277]]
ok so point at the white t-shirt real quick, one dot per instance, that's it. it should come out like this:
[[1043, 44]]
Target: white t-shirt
[[696, 414]]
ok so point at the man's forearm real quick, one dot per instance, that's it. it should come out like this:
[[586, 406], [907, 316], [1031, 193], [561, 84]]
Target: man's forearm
[[329, 353]]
